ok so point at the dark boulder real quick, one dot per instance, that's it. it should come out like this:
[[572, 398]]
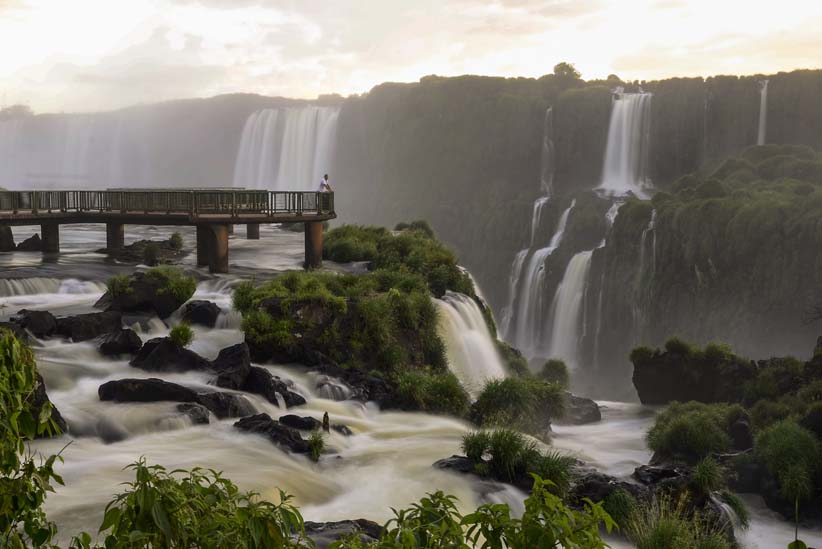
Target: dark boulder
[[31, 244], [580, 410], [201, 312], [197, 413], [659, 476], [110, 431], [344, 430], [261, 382], [146, 294], [123, 341], [304, 423], [332, 388], [232, 365], [6, 239], [458, 464], [18, 331], [598, 486], [88, 326], [284, 437], [323, 534], [39, 323], [145, 390], [224, 405], [39, 398], [741, 435], [163, 355]]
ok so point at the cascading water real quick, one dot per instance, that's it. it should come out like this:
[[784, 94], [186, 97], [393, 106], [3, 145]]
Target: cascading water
[[472, 354], [286, 148], [527, 325], [626, 152], [641, 275], [763, 112], [567, 309]]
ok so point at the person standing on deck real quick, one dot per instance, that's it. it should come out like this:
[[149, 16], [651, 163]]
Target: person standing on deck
[[325, 186]]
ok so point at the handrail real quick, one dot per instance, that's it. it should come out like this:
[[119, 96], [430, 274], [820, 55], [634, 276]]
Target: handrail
[[194, 202]]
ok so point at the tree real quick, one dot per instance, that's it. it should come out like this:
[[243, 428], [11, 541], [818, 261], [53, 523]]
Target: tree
[[566, 70]]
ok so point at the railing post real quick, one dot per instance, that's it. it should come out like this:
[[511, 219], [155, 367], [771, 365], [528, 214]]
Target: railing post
[[34, 202]]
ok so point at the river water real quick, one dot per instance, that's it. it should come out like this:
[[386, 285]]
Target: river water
[[386, 463]]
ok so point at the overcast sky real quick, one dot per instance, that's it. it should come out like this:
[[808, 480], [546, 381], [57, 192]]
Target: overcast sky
[[81, 55]]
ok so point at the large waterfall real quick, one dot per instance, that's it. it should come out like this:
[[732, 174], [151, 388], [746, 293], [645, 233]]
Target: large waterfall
[[472, 354], [763, 112], [567, 309], [286, 148], [626, 153]]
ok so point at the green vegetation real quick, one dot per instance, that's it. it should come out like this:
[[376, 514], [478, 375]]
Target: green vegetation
[[792, 456], [555, 371], [176, 241], [181, 335], [119, 285], [414, 250], [621, 506], [419, 225], [692, 431], [316, 445], [429, 391], [151, 254], [511, 357], [707, 476], [526, 404], [665, 523], [174, 281]]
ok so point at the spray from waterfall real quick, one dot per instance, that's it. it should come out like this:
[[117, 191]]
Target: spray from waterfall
[[288, 148], [626, 154], [763, 112]]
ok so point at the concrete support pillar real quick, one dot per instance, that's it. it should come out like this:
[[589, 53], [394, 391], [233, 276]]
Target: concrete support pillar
[[230, 228], [252, 231], [51, 237], [313, 244], [115, 236], [218, 249], [204, 237]]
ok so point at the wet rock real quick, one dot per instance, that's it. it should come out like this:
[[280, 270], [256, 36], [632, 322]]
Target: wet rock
[[145, 390], [224, 405], [282, 436], [16, 329], [741, 435], [332, 388], [31, 244], [163, 355], [88, 326], [580, 410], [110, 431], [597, 486], [658, 476], [261, 382], [135, 253], [6, 239], [304, 423], [458, 464], [344, 430], [146, 294], [232, 365], [39, 398], [201, 312], [197, 413], [120, 342], [325, 533], [39, 323]]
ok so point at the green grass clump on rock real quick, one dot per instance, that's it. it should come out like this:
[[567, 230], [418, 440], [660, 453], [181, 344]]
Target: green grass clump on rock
[[435, 392], [555, 371], [181, 335], [174, 281], [792, 455], [526, 404], [119, 285], [693, 430]]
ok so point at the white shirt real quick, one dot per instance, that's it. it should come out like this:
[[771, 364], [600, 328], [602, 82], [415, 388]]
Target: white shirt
[[323, 187]]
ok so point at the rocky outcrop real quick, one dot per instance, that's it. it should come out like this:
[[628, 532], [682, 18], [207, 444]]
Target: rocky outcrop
[[283, 437], [262, 382], [326, 533], [197, 413], [163, 355], [233, 366], [120, 342], [162, 252], [39, 398], [303, 423], [458, 464], [204, 313], [597, 486], [580, 410], [31, 244], [6, 239], [88, 326], [145, 293], [145, 390], [39, 323], [225, 405]]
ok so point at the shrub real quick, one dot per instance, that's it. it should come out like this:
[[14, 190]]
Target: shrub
[[243, 297], [316, 445], [620, 505], [812, 420], [767, 412], [181, 335], [791, 454], [176, 241], [517, 364], [151, 254], [119, 285], [707, 476], [555, 371], [664, 523], [435, 392], [526, 404], [642, 354], [737, 506], [680, 347], [718, 352], [475, 445], [174, 281], [693, 430]]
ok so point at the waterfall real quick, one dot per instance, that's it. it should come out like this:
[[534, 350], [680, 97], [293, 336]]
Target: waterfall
[[529, 305], [547, 163], [471, 351], [763, 112], [287, 148], [626, 152], [643, 244], [567, 309], [636, 308]]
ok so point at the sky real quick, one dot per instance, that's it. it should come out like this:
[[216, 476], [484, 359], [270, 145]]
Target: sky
[[88, 55]]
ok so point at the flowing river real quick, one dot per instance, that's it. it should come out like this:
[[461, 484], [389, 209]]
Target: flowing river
[[385, 463]]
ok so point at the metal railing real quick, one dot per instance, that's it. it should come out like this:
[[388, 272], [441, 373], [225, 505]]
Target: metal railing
[[197, 202]]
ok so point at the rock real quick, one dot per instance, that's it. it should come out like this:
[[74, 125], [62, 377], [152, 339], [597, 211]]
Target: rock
[[163, 355], [146, 294], [145, 390], [597, 486], [261, 382], [39, 398], [135, 253], [201, 312], [662, 475], [88, 326], [110, 431], [284, 437], [325, 533], [39, 323], [344, 430], [224, 405], [123, 341], [459, 464], [332, 388], [741, 435], [304, 423], [31, 244], [16, 329], [232, 365], [6, 239], [580, 410], [197, 413]]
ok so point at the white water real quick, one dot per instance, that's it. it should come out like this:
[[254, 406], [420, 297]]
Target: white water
[[286, 148], [470, 349], [530, 289], [547, 162], [567, 309], [626, 151], [763, 112]]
